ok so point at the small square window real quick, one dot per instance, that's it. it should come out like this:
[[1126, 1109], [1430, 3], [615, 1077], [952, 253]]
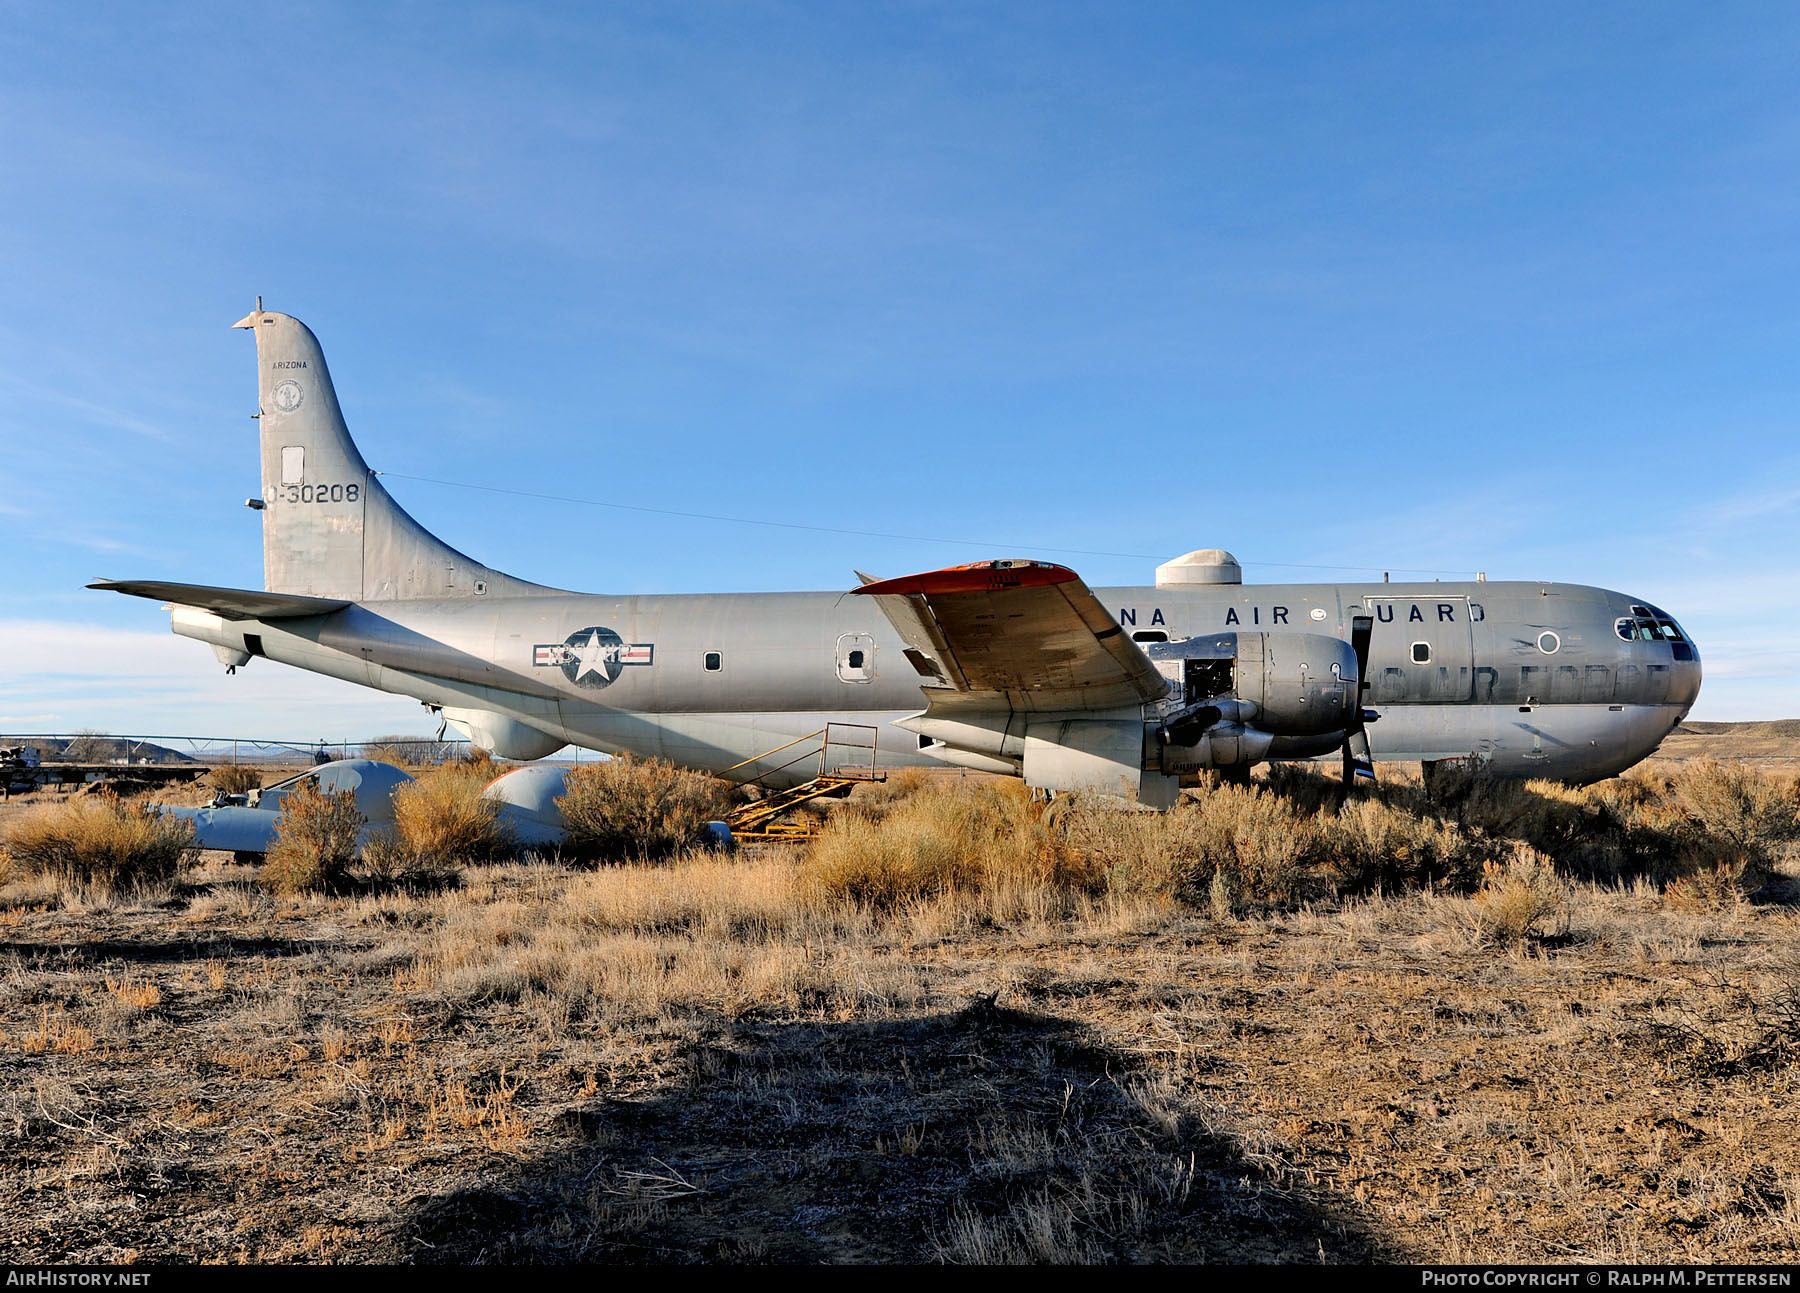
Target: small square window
[[855, 660], [714, 661], [1421, 653]]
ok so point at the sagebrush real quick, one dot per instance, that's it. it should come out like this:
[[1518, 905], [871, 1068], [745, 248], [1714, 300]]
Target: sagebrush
[[627, 809], [235, 778], [956, 838], [442, 820], [101, 842], [315, 841]]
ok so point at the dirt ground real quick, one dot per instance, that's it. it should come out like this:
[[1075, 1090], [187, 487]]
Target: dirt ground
[[1773, 744], [675, 1064]]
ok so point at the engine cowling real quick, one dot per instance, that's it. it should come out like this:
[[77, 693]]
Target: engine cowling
[[1238, 698]]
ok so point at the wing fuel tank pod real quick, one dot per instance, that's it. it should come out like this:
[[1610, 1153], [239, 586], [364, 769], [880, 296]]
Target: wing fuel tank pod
[[499, 735]]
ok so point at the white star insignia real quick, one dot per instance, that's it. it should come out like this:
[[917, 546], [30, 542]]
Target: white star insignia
[[595, 657]]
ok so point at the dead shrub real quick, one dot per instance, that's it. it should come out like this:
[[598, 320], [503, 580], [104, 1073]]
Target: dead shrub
[[967, 837], [1371, 844], [1737, 815], [235, 779], [388, 863], [1273, 846], [879, 798], [1712, 832], [401, 751], [1448, 783], [1519, 895], [1164, 855], [1547, 815], [442, 821], [315, 841], [101, 842], [1305, 787], [1727, 1027], [1714, 886], [625, 809], [1264, 843]]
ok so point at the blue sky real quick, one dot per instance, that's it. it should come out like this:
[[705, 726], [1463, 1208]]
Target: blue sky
[[1433, 287]]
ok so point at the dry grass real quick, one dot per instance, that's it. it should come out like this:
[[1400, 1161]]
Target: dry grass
[[628, 809], [99, 843], [984, 837], [315, 841], [1060, 1035], [1713, 832]]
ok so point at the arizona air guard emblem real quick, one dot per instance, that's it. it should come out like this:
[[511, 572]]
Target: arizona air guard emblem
[[591, 657]]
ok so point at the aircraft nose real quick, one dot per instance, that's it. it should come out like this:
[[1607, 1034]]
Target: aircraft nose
[[1685, 682]]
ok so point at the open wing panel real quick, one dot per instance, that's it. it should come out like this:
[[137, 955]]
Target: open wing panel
[[1028, 633]]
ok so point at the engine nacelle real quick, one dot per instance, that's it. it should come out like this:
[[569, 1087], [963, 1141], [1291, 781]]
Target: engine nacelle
[[1224, 745], [1238, 697]]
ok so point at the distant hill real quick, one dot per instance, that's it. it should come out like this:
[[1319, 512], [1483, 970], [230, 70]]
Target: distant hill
[[1779, 727], [103, 749]]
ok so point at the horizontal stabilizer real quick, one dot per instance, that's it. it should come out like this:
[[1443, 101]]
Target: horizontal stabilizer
[[231, 603]]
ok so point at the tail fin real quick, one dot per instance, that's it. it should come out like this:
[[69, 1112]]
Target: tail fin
[[329, 528]]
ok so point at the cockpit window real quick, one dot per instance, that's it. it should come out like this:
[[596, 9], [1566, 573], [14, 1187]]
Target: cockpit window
[[1648, 629]]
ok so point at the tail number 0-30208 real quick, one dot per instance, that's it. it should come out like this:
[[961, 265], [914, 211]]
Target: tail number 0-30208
[[318, 493]]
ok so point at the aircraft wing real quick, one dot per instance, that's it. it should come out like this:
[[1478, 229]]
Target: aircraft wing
[[231, 603], [1029, 633]]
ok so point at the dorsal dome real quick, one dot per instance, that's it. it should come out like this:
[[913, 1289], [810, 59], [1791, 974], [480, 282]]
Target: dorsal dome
[[1202, 566]]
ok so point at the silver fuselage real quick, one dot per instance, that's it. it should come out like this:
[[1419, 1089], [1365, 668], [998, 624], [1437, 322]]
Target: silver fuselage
[[1534, 677]]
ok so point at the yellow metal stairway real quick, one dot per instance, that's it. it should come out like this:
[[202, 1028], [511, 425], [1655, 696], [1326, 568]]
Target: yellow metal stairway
[[833, 780]]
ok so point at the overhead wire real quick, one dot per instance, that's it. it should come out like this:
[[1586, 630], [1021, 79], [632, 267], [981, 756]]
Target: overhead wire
[[870, 534]]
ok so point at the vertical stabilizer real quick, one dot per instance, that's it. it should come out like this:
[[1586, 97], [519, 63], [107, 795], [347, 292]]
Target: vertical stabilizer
[[329, 528]]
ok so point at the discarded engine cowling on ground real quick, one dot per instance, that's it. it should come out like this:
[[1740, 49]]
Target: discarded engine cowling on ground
[[527, 799]]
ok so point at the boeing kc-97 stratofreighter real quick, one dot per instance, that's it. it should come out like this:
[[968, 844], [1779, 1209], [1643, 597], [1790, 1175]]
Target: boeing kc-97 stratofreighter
[[1009, 666]]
